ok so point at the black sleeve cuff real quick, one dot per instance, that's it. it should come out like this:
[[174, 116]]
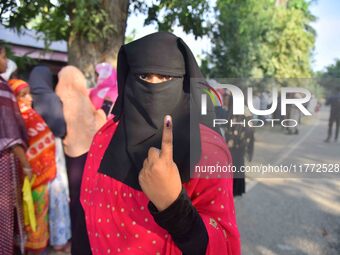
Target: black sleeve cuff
[[184, 224]]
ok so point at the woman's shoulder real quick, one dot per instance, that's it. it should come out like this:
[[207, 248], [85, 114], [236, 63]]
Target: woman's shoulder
[[110, 126], [211, 137], [104, 134], [216, 160]]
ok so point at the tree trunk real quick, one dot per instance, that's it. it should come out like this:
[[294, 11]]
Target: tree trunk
[[85, 55]]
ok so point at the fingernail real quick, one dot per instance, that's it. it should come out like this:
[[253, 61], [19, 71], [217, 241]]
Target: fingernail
[[168, 121]]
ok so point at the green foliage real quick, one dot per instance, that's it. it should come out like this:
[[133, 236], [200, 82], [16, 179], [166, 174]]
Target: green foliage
[[5, 8], [333, 70], [131, 37], [258, 38], [189, 14], [91, 20], [61, 20], [330, 79], [67, 19]]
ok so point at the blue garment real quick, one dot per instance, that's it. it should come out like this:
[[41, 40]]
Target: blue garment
[[59, 215]]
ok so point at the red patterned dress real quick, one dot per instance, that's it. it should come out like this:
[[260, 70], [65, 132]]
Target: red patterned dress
[[117, 216]]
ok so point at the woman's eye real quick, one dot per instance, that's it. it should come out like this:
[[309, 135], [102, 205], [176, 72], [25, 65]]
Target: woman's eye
[[155, 78], [143, 76]]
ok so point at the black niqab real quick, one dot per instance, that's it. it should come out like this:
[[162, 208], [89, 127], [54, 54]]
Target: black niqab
[[141, 106]]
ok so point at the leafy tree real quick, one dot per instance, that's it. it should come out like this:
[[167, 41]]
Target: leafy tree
[[330, 79], [262, 38], [6, 6], [95, 29], [333, 70], [190, 14]]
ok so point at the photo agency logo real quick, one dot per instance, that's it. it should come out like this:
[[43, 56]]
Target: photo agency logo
[[283, 103]]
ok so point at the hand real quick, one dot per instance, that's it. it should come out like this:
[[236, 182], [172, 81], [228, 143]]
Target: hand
[[28, 172], [159, 177]]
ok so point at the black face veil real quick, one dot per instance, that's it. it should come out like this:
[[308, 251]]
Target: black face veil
[[141, 106]]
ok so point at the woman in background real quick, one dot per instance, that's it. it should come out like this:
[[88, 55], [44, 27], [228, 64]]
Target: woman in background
[[82, 121], [240, 140], [106, 89], [49, 106], [41, 156], [13, 142]]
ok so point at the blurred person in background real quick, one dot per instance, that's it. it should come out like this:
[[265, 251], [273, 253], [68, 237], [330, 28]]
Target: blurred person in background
[[82, 122], [49, 106], [41, 156], [240, 139], [264, 103], [105, 93], [222, 111], [256, 103], [294, 114], [334, 117], [13, 164]]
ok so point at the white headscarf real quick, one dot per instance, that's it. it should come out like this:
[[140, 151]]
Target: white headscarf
[[11, 68]]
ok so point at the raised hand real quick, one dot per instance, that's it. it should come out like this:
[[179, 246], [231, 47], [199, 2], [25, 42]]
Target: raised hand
[[159, 177]]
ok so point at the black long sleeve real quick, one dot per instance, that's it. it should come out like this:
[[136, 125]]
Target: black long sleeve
[[184, 224]]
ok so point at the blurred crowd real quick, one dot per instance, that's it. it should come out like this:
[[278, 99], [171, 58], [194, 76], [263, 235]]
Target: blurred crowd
[[48, 129]]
